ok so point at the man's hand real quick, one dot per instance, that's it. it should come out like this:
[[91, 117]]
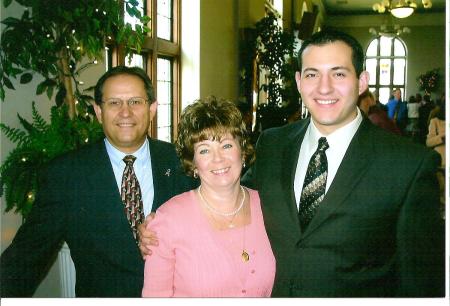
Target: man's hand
[[147, 238]]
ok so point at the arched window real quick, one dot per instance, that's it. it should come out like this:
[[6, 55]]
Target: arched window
[[386, 63]]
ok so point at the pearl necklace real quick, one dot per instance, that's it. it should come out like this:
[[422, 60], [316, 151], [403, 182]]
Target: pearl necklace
[[244, 255], [218, 212]]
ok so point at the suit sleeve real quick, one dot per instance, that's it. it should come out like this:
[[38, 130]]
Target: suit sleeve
[[160, 266], [420, 236], [33, 250]]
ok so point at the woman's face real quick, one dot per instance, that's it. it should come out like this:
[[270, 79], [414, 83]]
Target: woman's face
[[218, 163]]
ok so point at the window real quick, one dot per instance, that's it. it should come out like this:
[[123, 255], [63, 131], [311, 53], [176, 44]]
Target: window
[[386, 63], [160, 57]]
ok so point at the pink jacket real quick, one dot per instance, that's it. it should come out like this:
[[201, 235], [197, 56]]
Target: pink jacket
[[195, 260]]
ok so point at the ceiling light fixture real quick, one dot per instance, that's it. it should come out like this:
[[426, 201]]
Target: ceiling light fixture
[[389, 31], [399, 8]]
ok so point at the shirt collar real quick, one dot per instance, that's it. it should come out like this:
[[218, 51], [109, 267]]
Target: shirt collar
[[116, 156], [340, 137]]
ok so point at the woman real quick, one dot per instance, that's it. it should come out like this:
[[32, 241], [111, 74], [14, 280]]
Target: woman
[[212, 240], [368, 105], [436, 140]]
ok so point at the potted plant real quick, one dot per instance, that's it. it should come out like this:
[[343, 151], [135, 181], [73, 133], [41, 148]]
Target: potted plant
[[268, 50], [58, 40]]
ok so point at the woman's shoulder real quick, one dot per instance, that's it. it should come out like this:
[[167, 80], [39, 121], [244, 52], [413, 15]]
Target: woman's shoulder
[[253, 193], [177, 205]]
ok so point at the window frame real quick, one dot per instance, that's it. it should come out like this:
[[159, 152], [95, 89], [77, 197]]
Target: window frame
[[392, 57], [153, 48]]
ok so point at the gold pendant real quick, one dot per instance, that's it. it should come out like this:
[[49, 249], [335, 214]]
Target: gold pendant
[[245, 256]]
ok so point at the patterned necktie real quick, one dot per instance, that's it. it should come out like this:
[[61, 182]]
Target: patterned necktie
[[131, 196], [314, 186]]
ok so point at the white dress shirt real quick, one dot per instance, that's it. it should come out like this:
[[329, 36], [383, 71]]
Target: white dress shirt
[[338, 142], [142, 167]]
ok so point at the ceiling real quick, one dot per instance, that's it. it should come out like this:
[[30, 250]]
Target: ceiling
[[353, 7]]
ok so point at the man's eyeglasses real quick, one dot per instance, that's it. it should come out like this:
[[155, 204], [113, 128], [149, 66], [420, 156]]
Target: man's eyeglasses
[[134, 103]]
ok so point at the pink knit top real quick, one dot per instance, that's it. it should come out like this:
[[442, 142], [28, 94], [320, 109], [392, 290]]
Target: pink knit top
[[195, 260]]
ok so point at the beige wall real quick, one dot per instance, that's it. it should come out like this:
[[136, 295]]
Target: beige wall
[[218, 48]]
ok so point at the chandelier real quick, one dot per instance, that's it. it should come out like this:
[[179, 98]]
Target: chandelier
[[399, 8], [389, 31]]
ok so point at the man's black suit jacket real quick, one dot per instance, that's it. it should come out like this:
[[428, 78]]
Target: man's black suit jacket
[[79, 202], [377, 231]]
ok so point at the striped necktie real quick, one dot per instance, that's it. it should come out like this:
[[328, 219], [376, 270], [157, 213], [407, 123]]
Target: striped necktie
[[313, 190]]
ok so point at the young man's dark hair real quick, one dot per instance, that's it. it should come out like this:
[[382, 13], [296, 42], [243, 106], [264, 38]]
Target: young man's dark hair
[[330, 35]]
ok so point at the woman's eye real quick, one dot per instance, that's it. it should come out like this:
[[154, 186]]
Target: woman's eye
[[227, 146], [203, 151]]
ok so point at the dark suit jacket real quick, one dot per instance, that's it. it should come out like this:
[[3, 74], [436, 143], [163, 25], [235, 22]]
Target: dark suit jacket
[[78, 202], [377, 231]]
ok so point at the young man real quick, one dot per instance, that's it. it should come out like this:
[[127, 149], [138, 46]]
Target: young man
[[83, 198], [362, 218]]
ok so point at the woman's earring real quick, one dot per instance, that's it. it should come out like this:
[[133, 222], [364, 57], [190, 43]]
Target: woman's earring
[[195, 174], [243, 164]]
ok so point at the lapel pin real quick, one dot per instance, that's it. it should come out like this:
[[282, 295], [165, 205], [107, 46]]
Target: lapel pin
[[167, 172]]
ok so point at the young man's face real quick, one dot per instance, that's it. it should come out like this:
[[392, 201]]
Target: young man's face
[[329, 85]]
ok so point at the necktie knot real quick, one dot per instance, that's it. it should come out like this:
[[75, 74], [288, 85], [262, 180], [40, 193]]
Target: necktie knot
[[323, 144], [129, 160]]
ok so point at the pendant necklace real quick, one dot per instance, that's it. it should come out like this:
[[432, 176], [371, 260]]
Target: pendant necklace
[[244, 255]]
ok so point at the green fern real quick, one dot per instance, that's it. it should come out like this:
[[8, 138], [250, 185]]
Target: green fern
[[13, 134], [38, 121], [38, 143]]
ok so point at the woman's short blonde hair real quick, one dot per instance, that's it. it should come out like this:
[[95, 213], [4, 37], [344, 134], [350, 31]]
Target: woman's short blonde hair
[[366, 94], [210, 118]]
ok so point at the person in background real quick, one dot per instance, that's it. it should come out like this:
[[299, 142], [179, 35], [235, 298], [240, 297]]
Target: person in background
[[84, 198], [437, 107], [419, 99], [212, 240], [424, 115], [436, 140], [397, 110], [412, 129], [368, 105]]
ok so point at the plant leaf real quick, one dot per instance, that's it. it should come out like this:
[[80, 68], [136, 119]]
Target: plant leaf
[[41, 88], [8, 83], [6, 3], [26, 78], [60, 95]]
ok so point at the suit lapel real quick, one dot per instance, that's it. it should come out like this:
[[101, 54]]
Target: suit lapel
[[106, 200], [352, 168], [290, 157], [160, 173]]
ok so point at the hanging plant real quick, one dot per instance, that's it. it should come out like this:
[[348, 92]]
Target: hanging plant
[[428, 81]]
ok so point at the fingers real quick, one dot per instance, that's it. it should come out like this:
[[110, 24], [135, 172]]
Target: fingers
[[144, 251], [147, 237]]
